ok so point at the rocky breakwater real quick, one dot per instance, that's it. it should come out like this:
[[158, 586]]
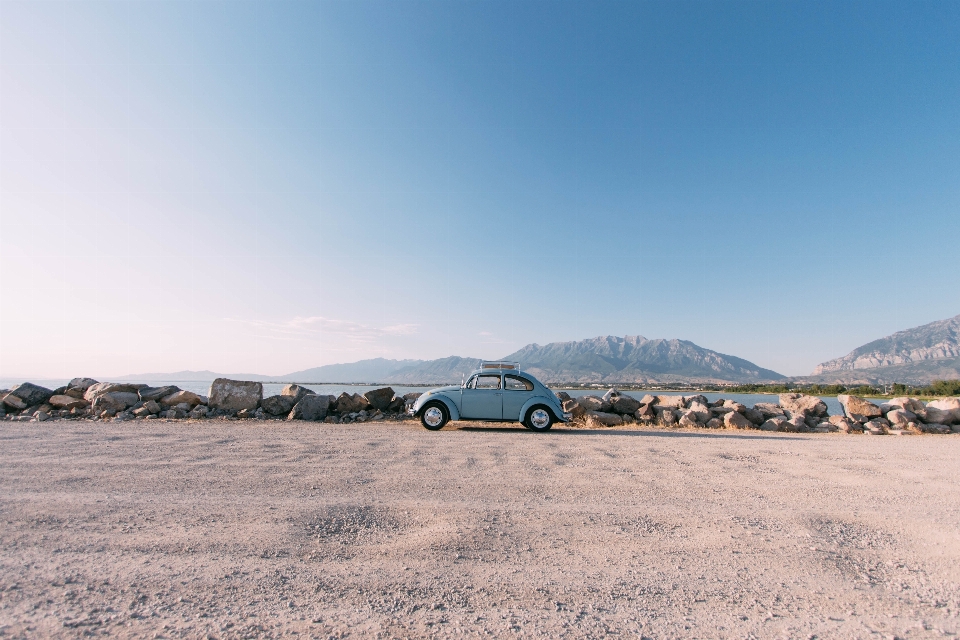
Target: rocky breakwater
[[793, 412], [88, 399]]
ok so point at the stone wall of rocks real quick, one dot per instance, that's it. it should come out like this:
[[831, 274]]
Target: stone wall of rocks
[[85, 398], [794, 412]]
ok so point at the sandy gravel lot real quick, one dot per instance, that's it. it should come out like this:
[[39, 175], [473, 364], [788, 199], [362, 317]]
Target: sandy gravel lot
[[245, 529]]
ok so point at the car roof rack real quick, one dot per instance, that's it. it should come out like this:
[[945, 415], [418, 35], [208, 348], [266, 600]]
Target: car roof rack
[[499, 364]]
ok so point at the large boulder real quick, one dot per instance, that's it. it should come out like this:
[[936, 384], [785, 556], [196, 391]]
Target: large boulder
[[312, 407], [649, 399], [65, 402], [181, 397], [347, 403], [776, 423], [857, 408], [802, 404], [933, 415], [590, 403], [115, 401], [624, 405], [736, 420], [690, 419], [951, 405], [111, 387], [13, 402], [769, 409], [667, 417], [734, 406], [688, 400], [901, 418], [574, 408], [81, 384], [910, 404], [700, 410], [601, 418], [234, 395], [380, 398], [156, 393], [846, 425], [674, 402], [754, 416], [31, 393], [278, 405], [296, 392]]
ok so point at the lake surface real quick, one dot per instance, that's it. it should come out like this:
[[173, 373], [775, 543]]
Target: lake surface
[[270, 389]]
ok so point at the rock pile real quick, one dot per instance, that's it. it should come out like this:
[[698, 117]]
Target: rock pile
[[794, 412], [85, 398]]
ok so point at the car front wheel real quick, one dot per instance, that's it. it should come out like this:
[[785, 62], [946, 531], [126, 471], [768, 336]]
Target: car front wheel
[[539, 419], [434, 416]]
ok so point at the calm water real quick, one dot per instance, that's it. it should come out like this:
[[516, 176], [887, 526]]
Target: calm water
[[203, 388]]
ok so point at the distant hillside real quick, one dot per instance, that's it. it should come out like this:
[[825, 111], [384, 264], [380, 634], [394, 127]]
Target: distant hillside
[[634, 359], [915, 356], [190, 376]]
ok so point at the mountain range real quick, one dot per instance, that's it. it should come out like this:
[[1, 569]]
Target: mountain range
[[606, 359], [915, 356]]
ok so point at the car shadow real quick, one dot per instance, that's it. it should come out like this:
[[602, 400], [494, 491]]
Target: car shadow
[[655, 433]]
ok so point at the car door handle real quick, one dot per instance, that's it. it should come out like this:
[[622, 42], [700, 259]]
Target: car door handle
[[498, 394]]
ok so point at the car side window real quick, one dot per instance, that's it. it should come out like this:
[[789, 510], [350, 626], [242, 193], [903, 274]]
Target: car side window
[[516, 383], [471, 383], [488, 382]]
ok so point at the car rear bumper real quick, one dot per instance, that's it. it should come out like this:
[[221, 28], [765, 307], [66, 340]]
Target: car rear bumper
[[567, 417]]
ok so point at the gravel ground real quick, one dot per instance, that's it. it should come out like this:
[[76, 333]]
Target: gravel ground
[[246, 529]]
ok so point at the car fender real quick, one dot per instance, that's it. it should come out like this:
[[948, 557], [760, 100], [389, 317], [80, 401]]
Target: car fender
[[450, 404], [557, 413]]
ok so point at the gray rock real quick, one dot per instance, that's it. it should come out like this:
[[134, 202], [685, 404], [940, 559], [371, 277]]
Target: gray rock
[[855, 407], [934, 428], [278, 405], [351, 404], [714, 423], [675, 402], [769, 410], [175, 414], [667, 417], [950, 405], [562, 395], [156, 393], [624, 405], [181, 397], [312, 407], [32, 393], [649, 400], [115, 401], [700, 410], [296, 392], [689, 419], [152, 406], [688, 400], [11, 401], [590, 403], [81, 384], [802, 404], [67, 402], [198, 412], [234, 395], [415, 395], [645, 412], [754, 416], [736, 420], [142, 412], [111, 387], [910, 404], [41, 416], [933, 415], [875, 427], [797, 424], [247, 414], [602, 418], [575, 408], [379, 398], [734, 405], [901, 418], [776, 423]]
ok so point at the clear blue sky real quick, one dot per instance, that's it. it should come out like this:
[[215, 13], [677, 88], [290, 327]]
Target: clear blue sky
[[270, 186]]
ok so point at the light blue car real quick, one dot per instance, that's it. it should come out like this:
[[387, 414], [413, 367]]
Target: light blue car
[[497, 391]]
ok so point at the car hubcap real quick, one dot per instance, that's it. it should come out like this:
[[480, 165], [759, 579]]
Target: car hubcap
[[539, 418], [433, 416]]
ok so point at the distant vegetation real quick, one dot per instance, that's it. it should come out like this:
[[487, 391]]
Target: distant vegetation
[[935, 388]]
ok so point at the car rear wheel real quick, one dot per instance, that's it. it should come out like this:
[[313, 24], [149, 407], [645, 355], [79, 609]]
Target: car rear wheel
[[539, 419], [434, 416]]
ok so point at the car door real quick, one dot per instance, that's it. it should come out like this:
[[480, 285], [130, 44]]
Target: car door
[[483, 398], [516, 391]]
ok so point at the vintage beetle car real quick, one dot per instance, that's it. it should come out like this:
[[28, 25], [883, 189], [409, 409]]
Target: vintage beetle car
[[497, 391]]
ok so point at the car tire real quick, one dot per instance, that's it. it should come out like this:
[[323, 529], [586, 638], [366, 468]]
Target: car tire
[[434, 416], [539, 418]]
